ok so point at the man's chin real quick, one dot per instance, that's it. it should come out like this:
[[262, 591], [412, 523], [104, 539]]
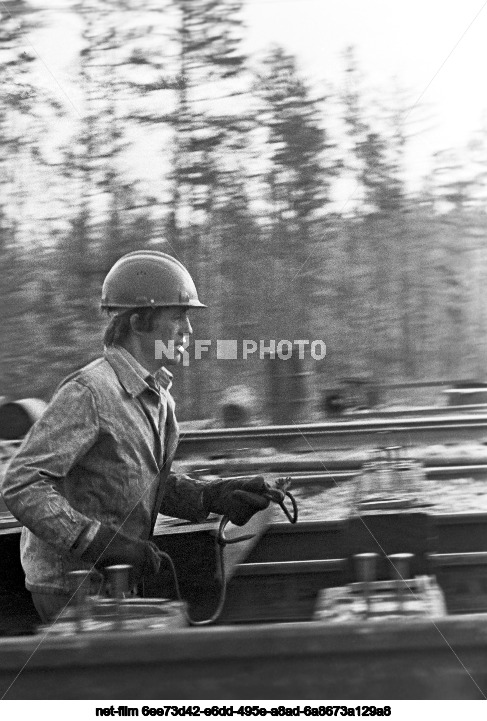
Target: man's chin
[[172, 360]]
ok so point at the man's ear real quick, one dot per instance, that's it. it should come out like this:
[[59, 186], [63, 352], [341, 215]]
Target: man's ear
[[135, 323]]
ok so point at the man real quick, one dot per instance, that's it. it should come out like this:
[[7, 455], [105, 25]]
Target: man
[[94, 471]]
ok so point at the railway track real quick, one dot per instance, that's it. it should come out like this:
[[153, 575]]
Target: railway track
[[442, 473], [436, 466], [414, 412], [404, 427], [345, 434]]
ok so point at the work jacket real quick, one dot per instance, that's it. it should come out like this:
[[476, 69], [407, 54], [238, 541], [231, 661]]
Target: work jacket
[[100, 454]]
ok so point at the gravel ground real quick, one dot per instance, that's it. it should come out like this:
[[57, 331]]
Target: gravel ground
[[462, 495]]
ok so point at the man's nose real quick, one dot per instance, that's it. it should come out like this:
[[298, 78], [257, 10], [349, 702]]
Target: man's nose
[[186, 328]]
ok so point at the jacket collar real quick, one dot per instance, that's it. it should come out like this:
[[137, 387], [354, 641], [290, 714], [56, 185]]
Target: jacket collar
[[164, 378], [131, 373]]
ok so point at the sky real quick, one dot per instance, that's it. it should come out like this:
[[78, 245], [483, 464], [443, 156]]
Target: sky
[[435, 50]]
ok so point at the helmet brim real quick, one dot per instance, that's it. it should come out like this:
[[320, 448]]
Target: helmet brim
[[191, 304]]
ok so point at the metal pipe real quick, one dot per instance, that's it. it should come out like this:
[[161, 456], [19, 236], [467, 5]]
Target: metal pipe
[[400, 564], [118, 580], [80, 586], [118, 583], [365, 568]]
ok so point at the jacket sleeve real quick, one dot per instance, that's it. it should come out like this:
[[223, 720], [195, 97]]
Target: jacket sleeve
[[183, 498], [32, 486]]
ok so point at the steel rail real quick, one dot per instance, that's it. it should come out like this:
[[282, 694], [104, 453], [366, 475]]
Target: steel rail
[[331, 478], [413, 412], [470, 421], [329, 565], [460, 465], [346, 434]]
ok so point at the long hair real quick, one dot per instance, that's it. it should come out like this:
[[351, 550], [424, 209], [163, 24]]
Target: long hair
[[118, 328]]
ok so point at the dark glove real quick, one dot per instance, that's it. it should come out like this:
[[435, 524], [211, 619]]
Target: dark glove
[[238, 499], [110, 547]]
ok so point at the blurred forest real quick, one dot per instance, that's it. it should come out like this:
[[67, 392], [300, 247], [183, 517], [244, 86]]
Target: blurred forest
[[249, 159]]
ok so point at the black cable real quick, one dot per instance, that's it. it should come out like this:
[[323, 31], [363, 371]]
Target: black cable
[[222, 542], [223, 593]]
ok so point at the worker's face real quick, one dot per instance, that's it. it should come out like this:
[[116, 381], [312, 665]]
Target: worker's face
[[172, 328]]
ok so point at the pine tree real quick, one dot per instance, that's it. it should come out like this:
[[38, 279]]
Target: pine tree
[[382, 258], [23, 110], [298, 180], [199, 82]]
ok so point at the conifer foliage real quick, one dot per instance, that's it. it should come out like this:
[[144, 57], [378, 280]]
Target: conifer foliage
[[170, 137]]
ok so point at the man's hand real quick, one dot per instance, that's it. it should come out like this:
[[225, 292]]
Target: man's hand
[[110, 547], [238, 499]]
